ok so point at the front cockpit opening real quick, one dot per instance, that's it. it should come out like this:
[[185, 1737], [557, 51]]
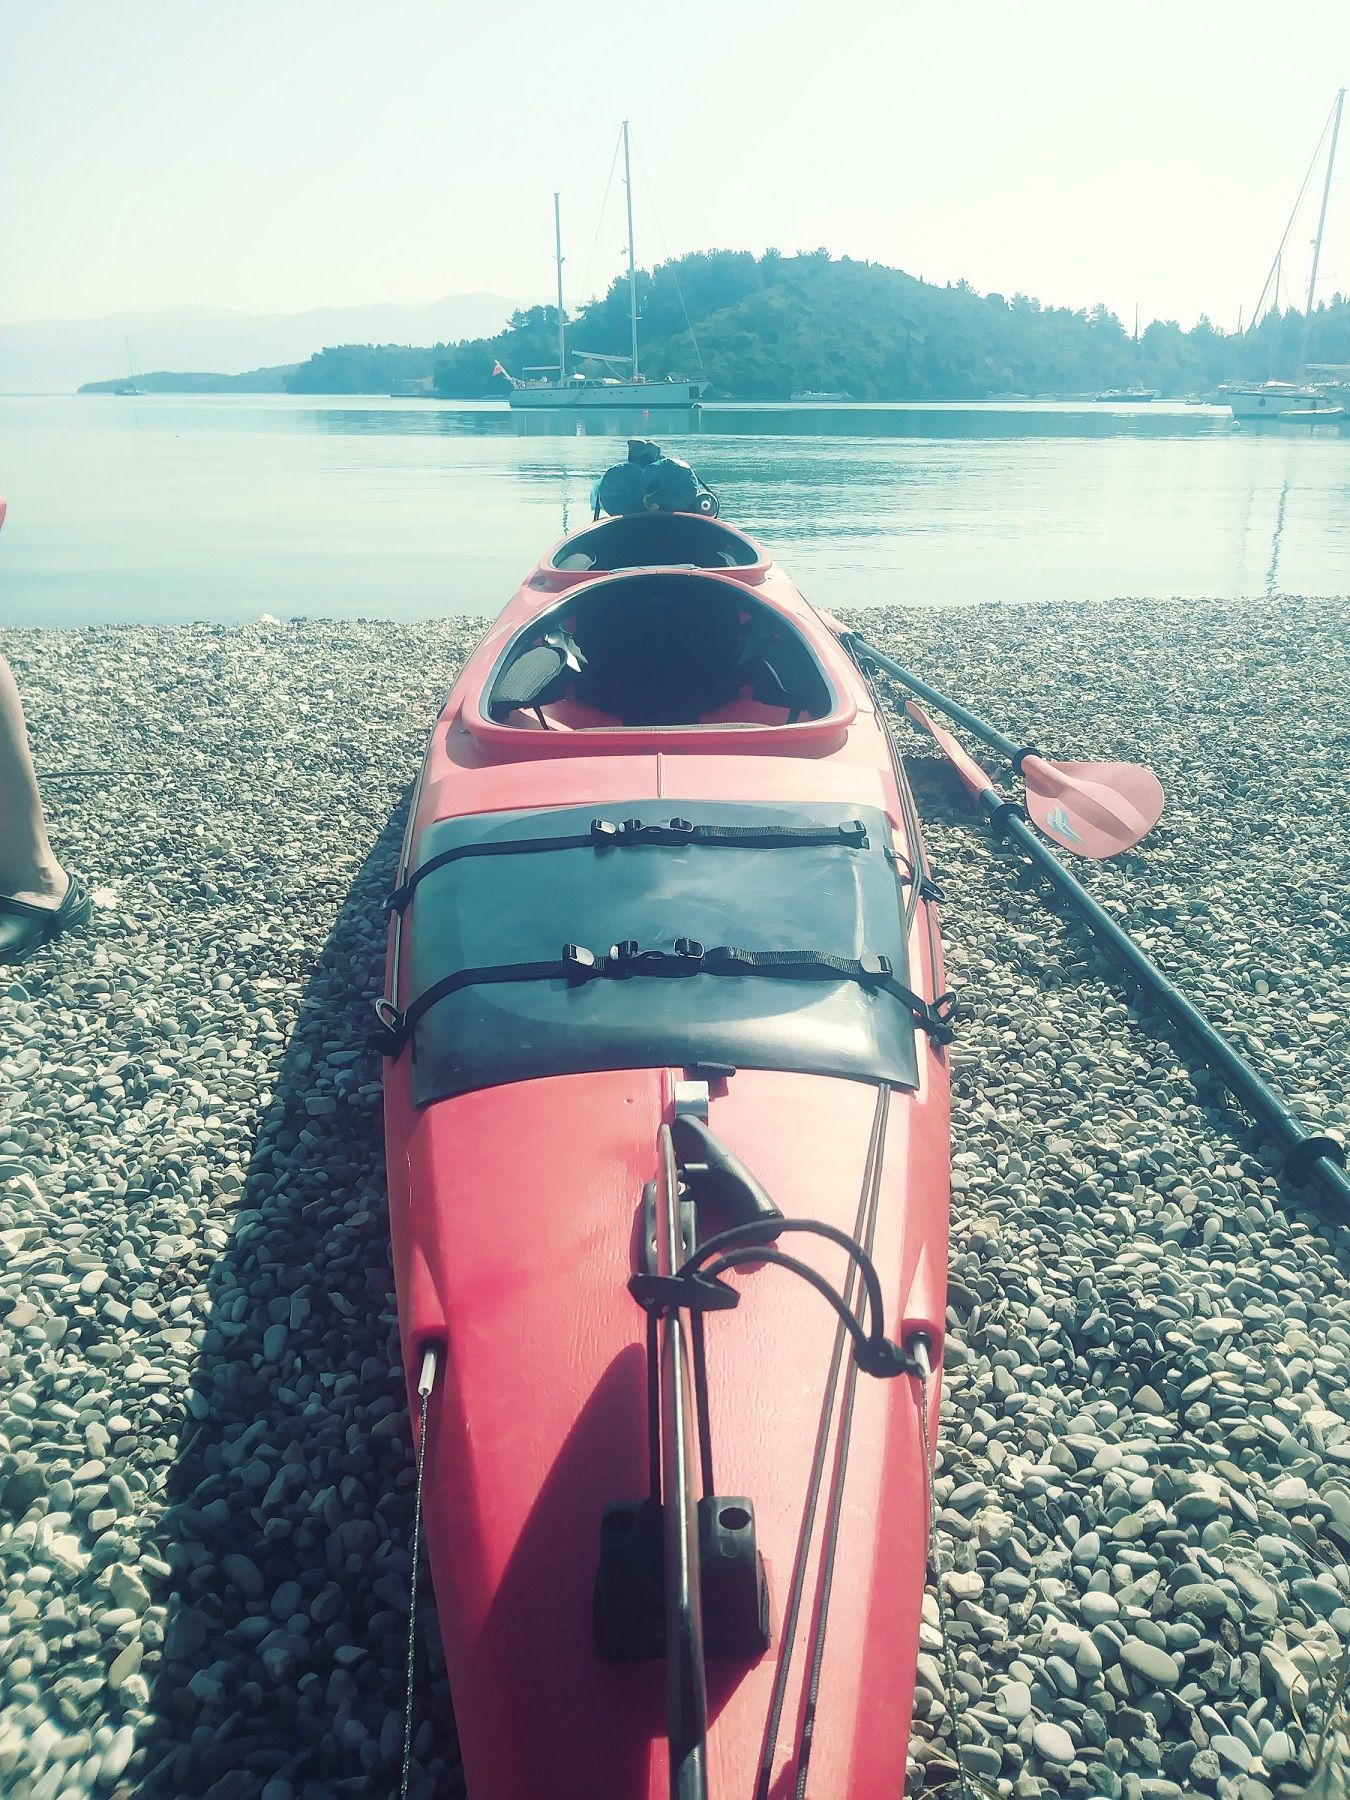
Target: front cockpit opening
[[658, 650]]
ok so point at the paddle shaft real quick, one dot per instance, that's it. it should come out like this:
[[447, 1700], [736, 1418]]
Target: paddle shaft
[[953, 709], [1308, 1153]]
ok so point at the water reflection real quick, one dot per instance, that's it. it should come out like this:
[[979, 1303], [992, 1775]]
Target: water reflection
[[724, 419]]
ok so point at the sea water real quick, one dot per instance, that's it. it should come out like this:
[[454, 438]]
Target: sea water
[[163, 509]]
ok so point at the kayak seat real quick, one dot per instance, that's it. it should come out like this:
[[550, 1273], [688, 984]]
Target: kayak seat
[[656, 540], [660, 649], [650, 663], [533, 679]]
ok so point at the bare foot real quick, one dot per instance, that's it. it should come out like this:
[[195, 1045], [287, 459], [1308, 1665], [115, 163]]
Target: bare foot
[[47, 891]]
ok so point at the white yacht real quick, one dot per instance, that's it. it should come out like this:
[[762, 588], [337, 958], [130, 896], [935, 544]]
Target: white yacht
[[593, 385], [1273, 399], [1293, 400]]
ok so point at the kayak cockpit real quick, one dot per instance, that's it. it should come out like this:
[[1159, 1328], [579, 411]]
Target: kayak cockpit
[[656, 540], [658, 649]]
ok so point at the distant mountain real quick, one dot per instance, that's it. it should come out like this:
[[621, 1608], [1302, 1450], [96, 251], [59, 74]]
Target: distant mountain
[[170, 381], [59, 355]]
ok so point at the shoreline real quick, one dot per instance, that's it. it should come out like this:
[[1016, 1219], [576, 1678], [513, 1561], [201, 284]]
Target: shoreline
[[1144, 1488], [17, 640]]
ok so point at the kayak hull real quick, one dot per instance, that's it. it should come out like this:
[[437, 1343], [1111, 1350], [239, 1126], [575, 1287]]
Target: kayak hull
[[515, 1220]]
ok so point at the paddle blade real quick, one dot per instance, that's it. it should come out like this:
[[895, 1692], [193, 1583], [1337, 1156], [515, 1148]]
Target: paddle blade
[[966, 766], [1094, 809]]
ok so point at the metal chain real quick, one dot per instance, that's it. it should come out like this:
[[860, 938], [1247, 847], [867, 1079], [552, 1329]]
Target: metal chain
[[424, 1387], [919, 1351]]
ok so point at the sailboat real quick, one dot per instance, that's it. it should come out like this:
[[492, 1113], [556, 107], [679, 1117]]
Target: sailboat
[[1292, 401], [604, 380], [128, 388]]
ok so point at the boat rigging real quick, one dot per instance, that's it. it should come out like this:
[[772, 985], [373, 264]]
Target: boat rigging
[[542, 387]]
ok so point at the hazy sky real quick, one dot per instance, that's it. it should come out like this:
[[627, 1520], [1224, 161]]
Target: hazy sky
[[283, 154]]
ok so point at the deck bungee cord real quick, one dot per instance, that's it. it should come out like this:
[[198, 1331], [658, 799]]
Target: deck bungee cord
[[426, 1381]]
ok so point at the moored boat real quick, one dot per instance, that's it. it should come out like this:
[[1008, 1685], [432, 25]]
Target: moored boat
[[587, 391], [594, 384], [1269, 400], [665, 1027]]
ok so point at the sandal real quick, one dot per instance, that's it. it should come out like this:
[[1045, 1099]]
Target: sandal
[[24, 927]]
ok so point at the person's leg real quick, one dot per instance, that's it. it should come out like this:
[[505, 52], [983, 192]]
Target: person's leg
[[28, 869]]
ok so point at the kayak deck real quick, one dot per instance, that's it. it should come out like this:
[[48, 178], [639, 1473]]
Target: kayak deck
[[539, 1424]]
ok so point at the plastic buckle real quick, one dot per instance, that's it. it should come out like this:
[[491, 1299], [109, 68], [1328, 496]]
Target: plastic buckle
[[605, 831], [631, 830], [622, 957], [938, 1019], [853, 831], [628, 958], [392, 1031], [695, 1292], [681, 830], [581, 962], [874, 969]]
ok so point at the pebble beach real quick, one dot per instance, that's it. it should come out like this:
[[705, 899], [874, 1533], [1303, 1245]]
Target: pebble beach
[[205, 1459]]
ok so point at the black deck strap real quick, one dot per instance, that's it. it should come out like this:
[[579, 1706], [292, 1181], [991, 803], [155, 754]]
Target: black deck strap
[[851, 833], [576, 964], [872, 972], [686, 957], [611, 834], [403, 893]]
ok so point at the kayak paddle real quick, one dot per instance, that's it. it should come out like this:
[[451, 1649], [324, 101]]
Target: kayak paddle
[[1095, 809], [1307, 1153]]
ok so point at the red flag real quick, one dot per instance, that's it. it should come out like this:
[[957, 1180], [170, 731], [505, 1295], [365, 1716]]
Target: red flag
[[497, 369]]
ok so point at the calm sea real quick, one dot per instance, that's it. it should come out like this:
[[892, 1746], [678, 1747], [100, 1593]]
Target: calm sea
[[170, 508]]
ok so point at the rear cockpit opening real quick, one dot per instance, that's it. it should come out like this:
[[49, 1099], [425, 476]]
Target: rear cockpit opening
[[656, 540], [658, 650]]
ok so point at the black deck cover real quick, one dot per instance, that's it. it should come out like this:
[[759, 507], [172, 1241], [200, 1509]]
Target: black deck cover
[[493, 910]]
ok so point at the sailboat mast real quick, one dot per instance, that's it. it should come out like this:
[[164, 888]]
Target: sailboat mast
[[632, 265], [1321, 227], [562, 329]]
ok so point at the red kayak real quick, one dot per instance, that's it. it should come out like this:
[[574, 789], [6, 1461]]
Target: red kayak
[[665, 1038]]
